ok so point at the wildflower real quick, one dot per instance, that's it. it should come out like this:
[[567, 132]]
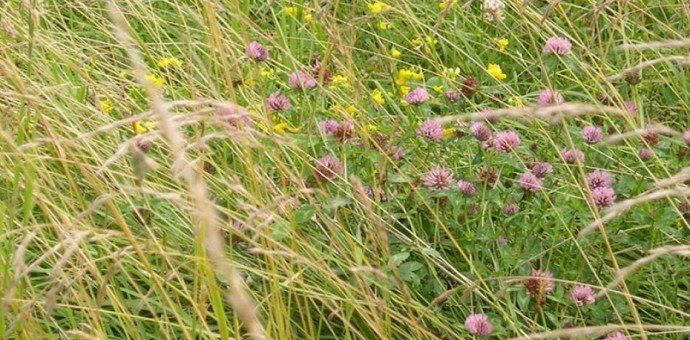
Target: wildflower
[[466, 188], [686, 137], [235, 116], [302, 80], [290, 10], [277, 102], [438, 178], [370, 128], [328, 167], [645, 154], [452, 96], [339, 81], [539, 284], [490, 116], [377, 97], [376, 193], [431, 41], [155, 80], [431, 130], [478, 324], [480, 131], [446, 4], [281, 127], [438, 88], [506, 141], [329, 126], [142, 126], [631, 108], [351, 110], [541, 169], [582, 295], [603, 196], [493, 10], [417, 96], [530, 182], [650, 137], [599, 179], [383, 25], [106, 105], [617, 336], [489, 175], [397, 154], [267, 72], [557, 45], [256, 51], [592, 134], [470, 86], [416, 41], [451, 73], [496, 72], [378, 7], [169, 61], [502, 44], [502, 240], [549, 97], [515, 102], [316, 72], [510, 208], [345, 131], [395, 53], [307, 17], [448, 132], [573, 155]]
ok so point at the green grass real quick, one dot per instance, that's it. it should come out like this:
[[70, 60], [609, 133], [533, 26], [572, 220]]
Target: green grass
[[95, 244]]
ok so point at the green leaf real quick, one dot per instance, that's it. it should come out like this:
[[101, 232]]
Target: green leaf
[[303, 214]]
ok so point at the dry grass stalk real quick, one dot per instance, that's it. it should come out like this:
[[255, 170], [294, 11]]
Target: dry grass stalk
[[682, 60], [655, 45], [652, 128], [206, 214], [552, 114], [592, 332]]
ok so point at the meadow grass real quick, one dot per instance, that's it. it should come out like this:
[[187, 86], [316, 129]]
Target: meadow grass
[[148, 191]]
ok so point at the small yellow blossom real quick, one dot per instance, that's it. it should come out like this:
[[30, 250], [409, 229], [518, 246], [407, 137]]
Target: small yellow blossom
[[384, 25], [155, 80], [395, 53], [370, 128], [431, 41], [267, 72], [339, 81], [496, 71], [169, 61], [516, 102], [448, 132], [378, 7], [451, 73], [377, 97], [281, 127], [438, 88], [106, 105], [249, 82], [445, 4], [143, 126], [290, 10], [406, 74], [351, 110], [404, 89], [502, 44], [416, 41]]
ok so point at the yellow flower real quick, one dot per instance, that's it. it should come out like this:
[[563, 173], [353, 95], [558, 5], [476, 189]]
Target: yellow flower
[[431, 41], [448, 132], [169, 61], [249, 82], [515, 101], [451, 73], [143, 126], [438, 88], [106, 105], [405, 74], [267, 72], [370, 128], [394, 52], [290, 10], [339, 81], [378, 7], [377, 97], [281, 127], [155, 80], [445, 4], [351, 110], [307, 17], [502, 44], [404, 89], [496, 71], [384, 25], [416, 41]]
